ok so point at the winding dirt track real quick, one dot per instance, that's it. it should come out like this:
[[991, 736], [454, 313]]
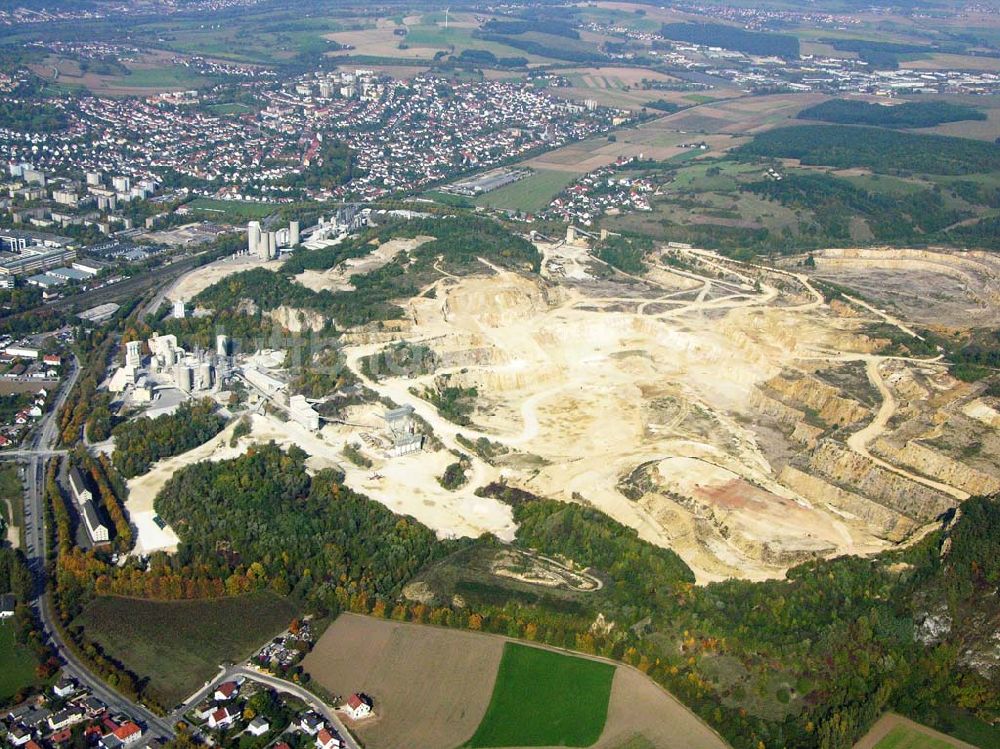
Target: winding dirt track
[[860, 440]]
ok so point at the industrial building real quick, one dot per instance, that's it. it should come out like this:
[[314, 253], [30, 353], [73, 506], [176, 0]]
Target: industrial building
[[401, 428]]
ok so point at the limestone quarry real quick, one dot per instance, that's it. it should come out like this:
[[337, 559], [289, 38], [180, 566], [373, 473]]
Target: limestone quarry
[[721, 409]]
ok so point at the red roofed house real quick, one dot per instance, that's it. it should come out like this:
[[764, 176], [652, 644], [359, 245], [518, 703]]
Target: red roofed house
[[128, 733], [327, 740], [32, 745], [221, 718], [52, 360], [358, 706], [226, 690]]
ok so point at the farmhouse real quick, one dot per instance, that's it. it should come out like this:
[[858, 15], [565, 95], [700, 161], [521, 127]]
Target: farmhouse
[[358, 706]]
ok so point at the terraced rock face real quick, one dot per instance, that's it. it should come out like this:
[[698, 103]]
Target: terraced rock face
[[724, 410]]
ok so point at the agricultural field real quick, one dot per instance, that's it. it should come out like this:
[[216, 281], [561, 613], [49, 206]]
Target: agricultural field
[[17, 664], [739, 116], [152, 73], [426, 36], [430, 686], [543, 698], [177, 645], [435, 688], [625, 88], [532, 193], [236, 211], [265, 38], [896, 732]]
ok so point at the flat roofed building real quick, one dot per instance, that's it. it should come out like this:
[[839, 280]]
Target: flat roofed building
[[34, 259]]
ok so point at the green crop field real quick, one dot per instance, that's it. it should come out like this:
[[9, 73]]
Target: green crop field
[[232, 108], [17, 664], [180, 644], [904, 737], [542, 698], [533, 193], [232, 210]]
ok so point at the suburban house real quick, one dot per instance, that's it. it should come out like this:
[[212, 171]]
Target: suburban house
[[311, 723], [19, 735], [204, 710], [66, 717], [64, 687], [358, 706], [128, 733], [222, 718], [7, 604], [226, 690], [328, 740], [259, 726]]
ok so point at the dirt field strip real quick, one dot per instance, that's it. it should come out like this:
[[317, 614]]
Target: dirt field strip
[[13, 532], [887, 722]]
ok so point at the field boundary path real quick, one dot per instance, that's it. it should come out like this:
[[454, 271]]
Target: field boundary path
[[887, 722]]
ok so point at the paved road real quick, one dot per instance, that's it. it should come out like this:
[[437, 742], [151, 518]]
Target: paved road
[[279, 685], [39, 449], [20, 454]]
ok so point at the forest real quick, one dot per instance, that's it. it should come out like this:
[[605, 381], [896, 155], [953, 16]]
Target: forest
[[906, 115], [885, 151], [834, 202], [459, 242], [141, 442], [254, 505], [29, 115], [844, 632], [627, 255], [733, 37], [332, 166]]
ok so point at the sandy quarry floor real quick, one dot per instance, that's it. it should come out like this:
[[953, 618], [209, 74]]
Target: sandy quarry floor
[[659, 400], [595, 380], [431, 688], [191, 284], [569, 378], [407, 485], [339, 278]]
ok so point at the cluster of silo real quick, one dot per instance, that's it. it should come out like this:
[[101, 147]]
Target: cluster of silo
[[264, 244]]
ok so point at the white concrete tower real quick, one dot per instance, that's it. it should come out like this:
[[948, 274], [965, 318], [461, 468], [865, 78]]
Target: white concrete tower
[[253, 237], [133, 354]]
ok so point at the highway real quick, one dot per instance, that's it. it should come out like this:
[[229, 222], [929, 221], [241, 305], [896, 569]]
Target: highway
[[41, 447]]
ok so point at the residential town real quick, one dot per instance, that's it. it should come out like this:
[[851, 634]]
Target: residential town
[[400, 135]]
